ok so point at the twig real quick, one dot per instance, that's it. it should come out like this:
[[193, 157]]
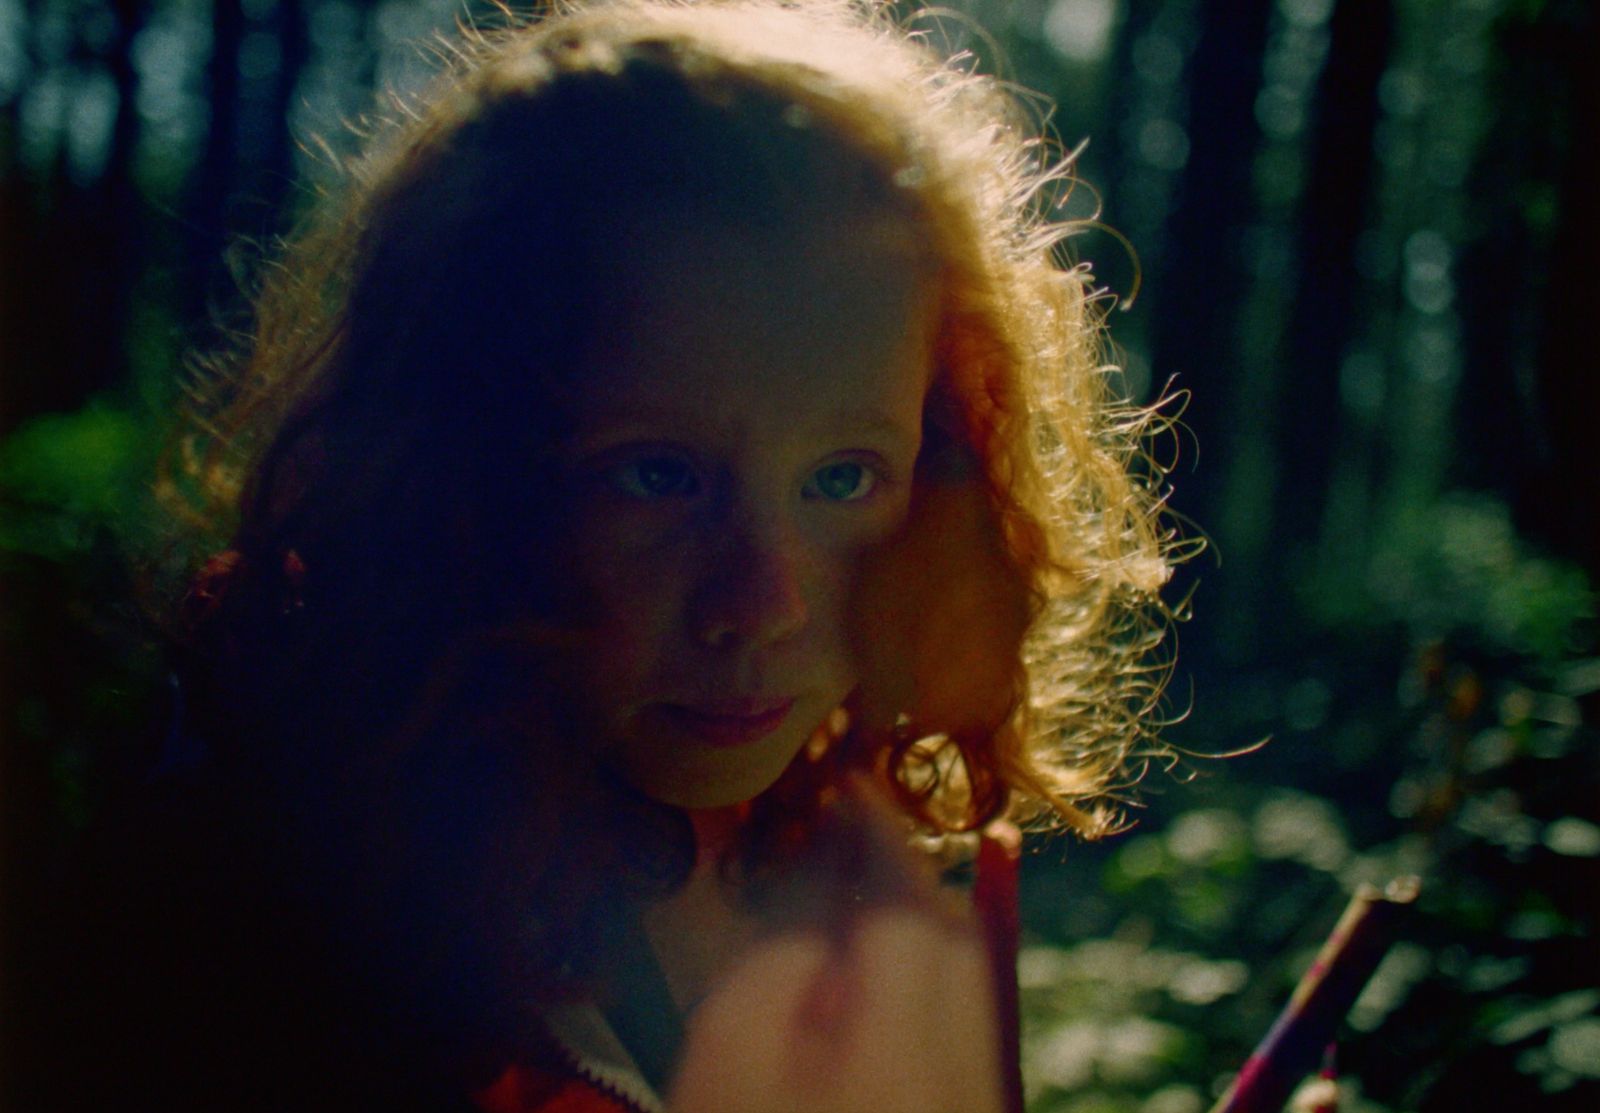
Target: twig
[[1294, 1044]]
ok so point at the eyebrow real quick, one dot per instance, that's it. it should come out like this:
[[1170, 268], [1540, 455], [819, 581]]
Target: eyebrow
[[868, 422]]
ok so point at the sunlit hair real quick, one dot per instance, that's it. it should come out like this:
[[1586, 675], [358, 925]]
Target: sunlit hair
[[362, 630]]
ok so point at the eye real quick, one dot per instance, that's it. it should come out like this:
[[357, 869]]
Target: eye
[[655, 477], [845, 481]]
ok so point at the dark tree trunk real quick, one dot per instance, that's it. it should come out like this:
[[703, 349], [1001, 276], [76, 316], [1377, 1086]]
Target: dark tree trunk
[[216, 175], [1205, 275], [1334, 209], [1206, 262], [1530, 293], [295, 50], [1561, 501]]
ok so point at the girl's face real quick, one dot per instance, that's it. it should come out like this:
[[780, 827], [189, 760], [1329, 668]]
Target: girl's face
[[745, 434]]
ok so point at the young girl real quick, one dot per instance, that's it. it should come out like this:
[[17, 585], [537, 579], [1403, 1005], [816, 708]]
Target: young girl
[[671, 475]]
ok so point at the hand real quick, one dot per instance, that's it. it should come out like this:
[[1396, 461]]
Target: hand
[[888, 1009]]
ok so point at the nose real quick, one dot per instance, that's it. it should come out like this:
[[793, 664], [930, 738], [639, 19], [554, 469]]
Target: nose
[[752, 591]]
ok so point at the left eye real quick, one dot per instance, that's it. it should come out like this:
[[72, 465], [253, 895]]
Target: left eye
[[650, 478], [845, 481]]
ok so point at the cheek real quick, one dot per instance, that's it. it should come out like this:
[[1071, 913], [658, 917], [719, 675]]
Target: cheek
[[834, 604], [857, 552], [833, 595], [632, 607], [940, 616], [623, 600]]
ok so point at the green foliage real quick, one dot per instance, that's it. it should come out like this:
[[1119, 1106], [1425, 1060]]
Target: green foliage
[[83, 670], [66, 478], [1157, 962], [1458, 566], [1455, 568]]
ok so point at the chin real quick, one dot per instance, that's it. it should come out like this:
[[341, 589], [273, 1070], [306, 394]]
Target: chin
[[690, 776]]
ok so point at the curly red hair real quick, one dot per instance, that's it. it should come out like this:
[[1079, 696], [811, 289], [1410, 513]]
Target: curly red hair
[[1008, 641]]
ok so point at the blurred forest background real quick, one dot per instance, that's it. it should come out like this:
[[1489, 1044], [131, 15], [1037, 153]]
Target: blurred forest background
[[1367, 238]]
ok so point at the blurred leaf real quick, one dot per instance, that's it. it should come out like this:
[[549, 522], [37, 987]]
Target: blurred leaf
[[64, 476]]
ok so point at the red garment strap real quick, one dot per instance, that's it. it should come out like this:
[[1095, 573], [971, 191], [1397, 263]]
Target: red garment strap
[[994, 895], [525, 1089]]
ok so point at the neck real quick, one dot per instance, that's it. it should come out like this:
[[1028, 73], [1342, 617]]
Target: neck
[[695, 931], [715, 830]]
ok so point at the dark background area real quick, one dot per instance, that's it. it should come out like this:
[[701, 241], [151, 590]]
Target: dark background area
[[1366, 236]]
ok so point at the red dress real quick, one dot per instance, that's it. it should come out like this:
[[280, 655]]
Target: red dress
[[526, 1090]]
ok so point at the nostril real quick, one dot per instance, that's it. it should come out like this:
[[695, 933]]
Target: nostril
[[755, 599], [716, 634]]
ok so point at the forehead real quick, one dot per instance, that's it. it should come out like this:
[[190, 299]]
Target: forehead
[[718, 323]]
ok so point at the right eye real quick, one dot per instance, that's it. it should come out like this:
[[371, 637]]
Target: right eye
[[648, 478]]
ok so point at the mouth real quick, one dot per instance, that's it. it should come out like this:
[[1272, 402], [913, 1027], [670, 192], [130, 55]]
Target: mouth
[[727, 724]]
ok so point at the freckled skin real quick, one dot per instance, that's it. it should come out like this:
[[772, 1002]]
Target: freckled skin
[[745, 432]]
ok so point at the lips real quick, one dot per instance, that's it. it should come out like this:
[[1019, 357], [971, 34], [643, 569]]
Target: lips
[[726, 724]]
